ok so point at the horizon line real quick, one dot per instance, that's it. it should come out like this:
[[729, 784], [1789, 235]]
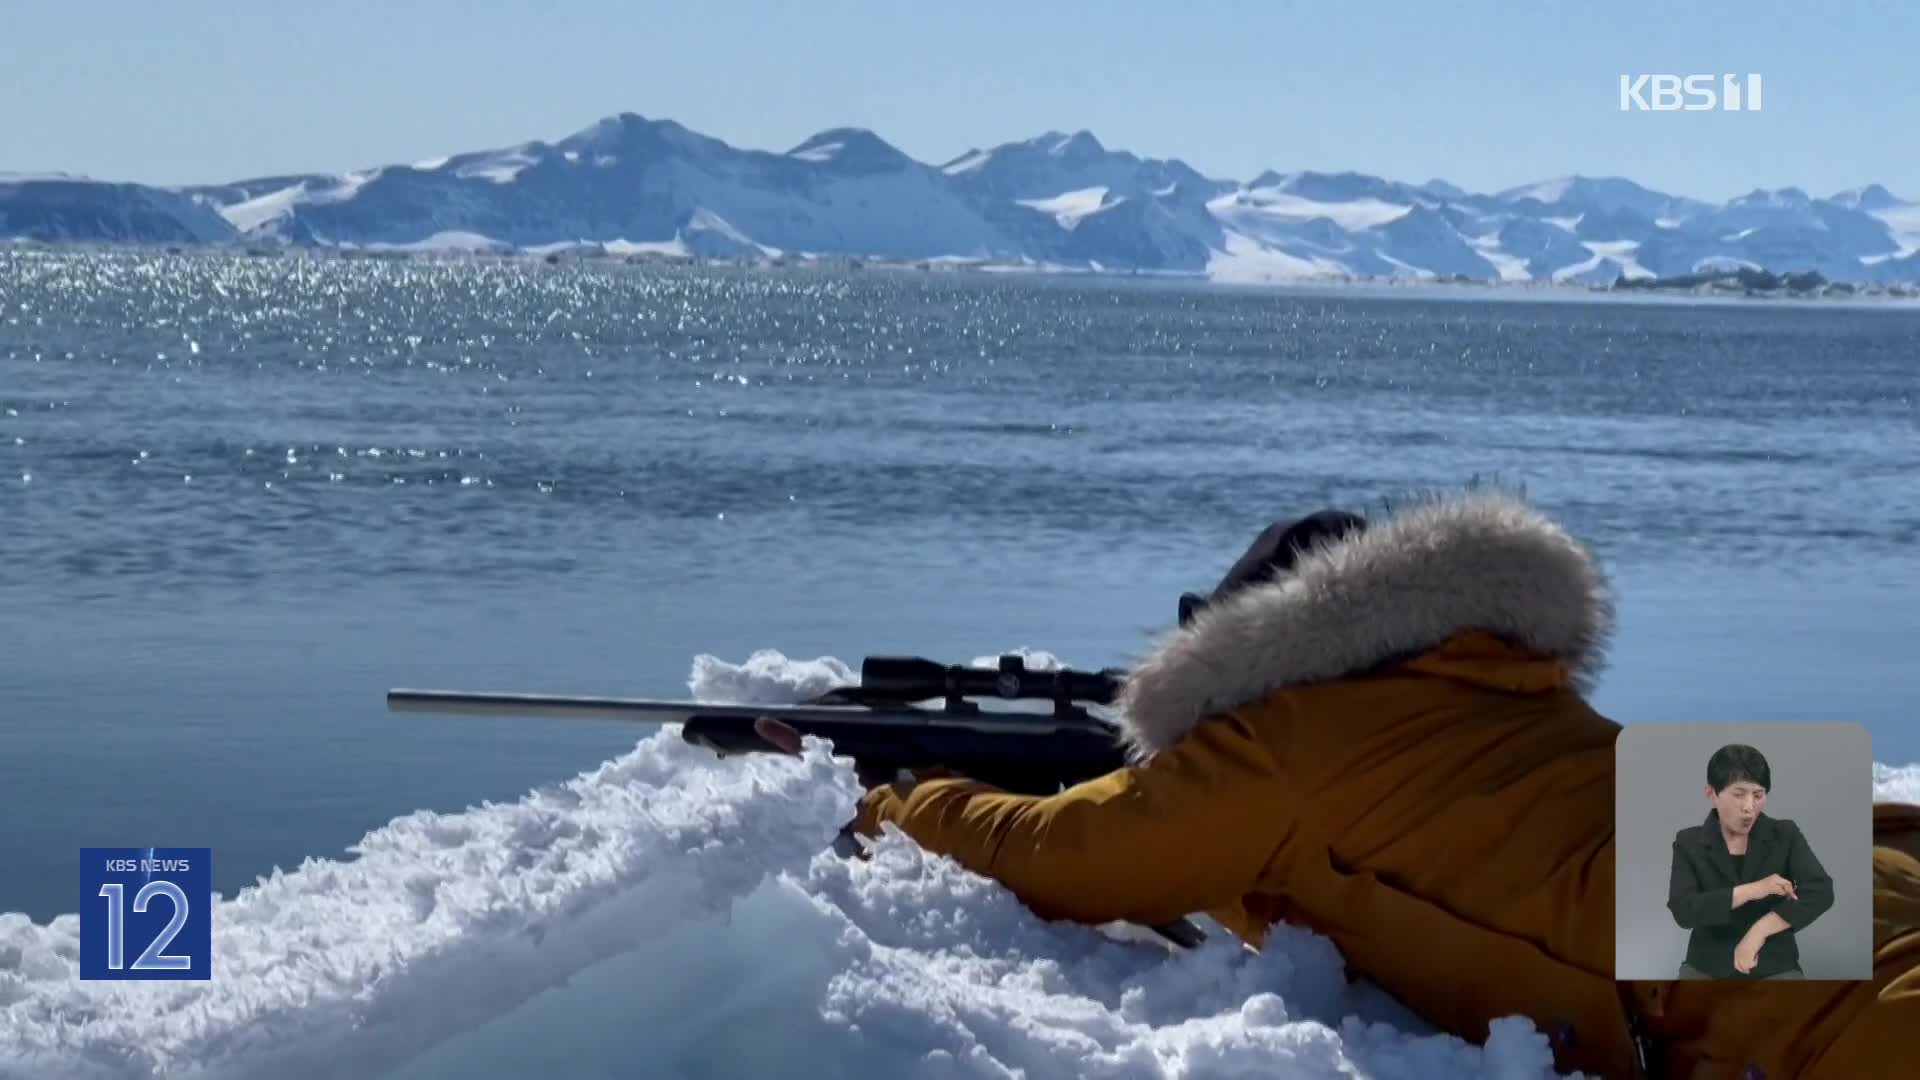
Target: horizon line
[[58, 175]]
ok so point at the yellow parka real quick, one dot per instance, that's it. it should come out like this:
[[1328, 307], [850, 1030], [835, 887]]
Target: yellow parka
[[1391, 747]]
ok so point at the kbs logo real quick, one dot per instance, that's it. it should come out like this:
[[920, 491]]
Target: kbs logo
[[1689, 93], [146, 913]]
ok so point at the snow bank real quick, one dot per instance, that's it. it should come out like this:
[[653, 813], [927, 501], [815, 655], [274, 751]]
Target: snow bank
[[671, 915], [1896, 785], [442, 922]]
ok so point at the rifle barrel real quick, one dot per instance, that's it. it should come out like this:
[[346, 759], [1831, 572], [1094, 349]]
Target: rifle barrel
[[652, 711], [561, 706]]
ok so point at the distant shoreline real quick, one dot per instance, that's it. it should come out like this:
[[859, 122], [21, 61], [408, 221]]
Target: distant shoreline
[[1731, 286]]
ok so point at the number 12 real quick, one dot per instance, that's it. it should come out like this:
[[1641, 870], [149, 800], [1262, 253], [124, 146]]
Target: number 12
[[152, 959]]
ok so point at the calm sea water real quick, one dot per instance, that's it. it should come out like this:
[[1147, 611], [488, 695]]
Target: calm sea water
[[239, 499]]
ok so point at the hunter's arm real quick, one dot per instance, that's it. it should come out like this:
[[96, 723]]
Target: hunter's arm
[[1188, 831]]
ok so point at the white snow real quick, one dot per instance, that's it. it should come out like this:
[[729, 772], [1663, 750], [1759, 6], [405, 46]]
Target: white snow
[[1723, 263], [1905, 223], [255, 212], [621, 248], [448, 242], [820, 152], [646, 247], [442, 923], [1575, 270], [1273, 203], [704, 220], [562, 247], [971, 162], [1247, 261], [1404, 269], [262, 209], [1891, 784], [1547, 191], [1069, 207], [1510, 267], [1033, 659], [1304, 222], [499, 167], [348, 186], [671, 914], [1618, 253]]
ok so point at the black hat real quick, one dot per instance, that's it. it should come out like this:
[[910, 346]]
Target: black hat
[[1273, 553]]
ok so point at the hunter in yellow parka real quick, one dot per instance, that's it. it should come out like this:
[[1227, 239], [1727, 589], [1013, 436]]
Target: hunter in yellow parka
[[1387, 742]]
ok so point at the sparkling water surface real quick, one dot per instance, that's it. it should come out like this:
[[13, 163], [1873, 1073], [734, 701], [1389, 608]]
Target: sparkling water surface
[[242, 497]]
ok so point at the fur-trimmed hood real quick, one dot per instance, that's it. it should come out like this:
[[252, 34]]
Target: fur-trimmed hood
[[1408, 583]]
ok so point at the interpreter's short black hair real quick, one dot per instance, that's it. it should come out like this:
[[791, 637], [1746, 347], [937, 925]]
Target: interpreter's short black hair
[[1731, 764]]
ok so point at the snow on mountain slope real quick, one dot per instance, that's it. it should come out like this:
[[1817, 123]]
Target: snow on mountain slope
[[1055, 162], [1247, 261], [1871, 197], [1509, 266], [644, 181], [1608, 261], [1364, 234], [255, 214], [1151, 214], [1542, 247], [1273, 202], [61, 209], [1605, 194], [1344, 187], [1069, 207], [497, 167], [628, 184], [1903, 221], [852, 151]]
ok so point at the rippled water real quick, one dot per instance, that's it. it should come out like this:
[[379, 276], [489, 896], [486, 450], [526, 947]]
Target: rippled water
[[241, 497]]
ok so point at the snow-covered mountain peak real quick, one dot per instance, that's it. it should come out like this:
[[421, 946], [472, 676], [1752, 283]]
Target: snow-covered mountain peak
[[633, 185], [851, 149], [1871, 197], [1080, 145], [627, 135], [1786, 198]]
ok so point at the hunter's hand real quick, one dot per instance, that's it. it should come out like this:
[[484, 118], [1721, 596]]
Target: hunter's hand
[[779, 734], [1747, 953], [784, 739]]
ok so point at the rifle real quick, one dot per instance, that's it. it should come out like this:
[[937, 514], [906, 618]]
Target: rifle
[[886, 724]]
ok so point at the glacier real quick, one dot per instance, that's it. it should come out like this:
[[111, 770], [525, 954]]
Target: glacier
[[630, 186]]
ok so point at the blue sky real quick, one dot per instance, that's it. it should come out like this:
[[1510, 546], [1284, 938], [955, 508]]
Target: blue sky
[[1485, 94]]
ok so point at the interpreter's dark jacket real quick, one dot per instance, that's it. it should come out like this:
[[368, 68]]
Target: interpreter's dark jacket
[[1700, 894]]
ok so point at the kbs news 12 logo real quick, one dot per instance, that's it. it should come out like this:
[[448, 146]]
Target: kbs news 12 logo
[[1689, 93], [146, 913]]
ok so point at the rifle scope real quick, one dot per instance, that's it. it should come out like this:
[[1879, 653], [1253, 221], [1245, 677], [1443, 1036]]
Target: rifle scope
[[913, 678]]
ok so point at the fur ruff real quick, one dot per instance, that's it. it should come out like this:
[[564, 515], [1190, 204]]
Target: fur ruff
[[1408, 583]]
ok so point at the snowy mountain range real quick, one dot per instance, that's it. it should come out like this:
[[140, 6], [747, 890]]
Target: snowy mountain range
[[629, 185]]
